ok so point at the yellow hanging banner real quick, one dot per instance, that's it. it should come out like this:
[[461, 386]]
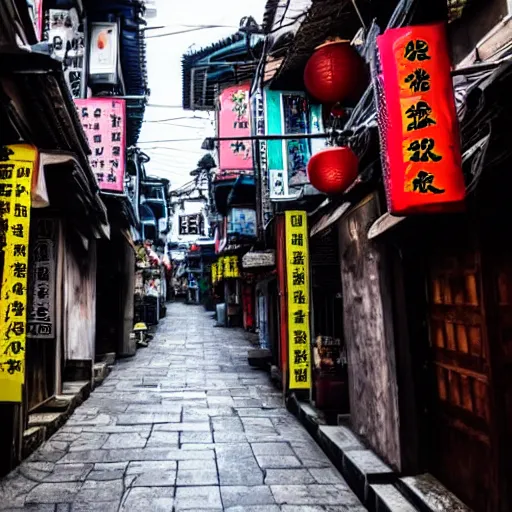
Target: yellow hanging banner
[[214, 273], [231, 263], [297, 272], [17, 163], [227, 267]]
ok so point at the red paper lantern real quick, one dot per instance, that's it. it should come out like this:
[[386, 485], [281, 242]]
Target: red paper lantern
[[333, 170], [335, 72]]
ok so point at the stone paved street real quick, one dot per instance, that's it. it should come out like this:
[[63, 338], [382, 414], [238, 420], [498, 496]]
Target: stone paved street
[[184, 425]]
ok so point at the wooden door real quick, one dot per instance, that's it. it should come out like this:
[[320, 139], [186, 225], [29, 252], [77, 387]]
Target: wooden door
[[498, 287], [461, 422]]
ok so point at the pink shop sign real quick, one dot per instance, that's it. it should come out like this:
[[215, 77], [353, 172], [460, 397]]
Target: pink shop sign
[[103, 120], [234, 122]]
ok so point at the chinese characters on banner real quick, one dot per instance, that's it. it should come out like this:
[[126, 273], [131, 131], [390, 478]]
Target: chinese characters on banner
[[215, 274], [234, 155], [41, 285], [420, 136], [103, 120], [225, 268], [297, 271], [17, 164]]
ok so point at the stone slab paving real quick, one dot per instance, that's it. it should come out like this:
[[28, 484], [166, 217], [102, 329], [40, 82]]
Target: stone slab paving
[[184, 425]]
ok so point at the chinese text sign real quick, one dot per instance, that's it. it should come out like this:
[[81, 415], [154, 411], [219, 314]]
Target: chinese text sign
[[297, 271], [421, 156], [234, 122], [215, 274], [16, 169], [41, 285], [104, 120], [225, 268], [191, 224]]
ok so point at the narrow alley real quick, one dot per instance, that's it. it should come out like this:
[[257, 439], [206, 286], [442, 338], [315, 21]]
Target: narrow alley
[[184, 425]]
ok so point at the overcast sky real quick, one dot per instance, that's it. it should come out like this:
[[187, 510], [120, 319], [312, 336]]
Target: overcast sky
[[174, 160]]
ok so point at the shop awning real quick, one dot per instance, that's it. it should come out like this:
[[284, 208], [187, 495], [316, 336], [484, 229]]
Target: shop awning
[[384, 223], [243, 191], [330, 218], [239, 191], [227, 62]]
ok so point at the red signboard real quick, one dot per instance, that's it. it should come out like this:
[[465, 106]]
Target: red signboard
[[103, 120], [234, 155], [418, 122]]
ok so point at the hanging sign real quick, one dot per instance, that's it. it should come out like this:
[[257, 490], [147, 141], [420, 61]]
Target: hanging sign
[[67, 45], [103, 53], [418, 122], [258, 119], [103, 120], [278, 184], [220, 269], [234, 155], [191, 224], [230, 267], [297, 271], [227, 267], [41, 285], [17, 165], [256, 259], [215, 274]]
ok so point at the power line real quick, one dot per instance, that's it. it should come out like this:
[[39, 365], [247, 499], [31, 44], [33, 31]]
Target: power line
[[179, 150], [175, 119], [164, 106], [190, 26], [169, 140], [182, 125], [174, 165], [186, 31]]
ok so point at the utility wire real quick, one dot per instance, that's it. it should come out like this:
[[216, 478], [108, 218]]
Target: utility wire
[[180, 150], [169, 140], [158, 27], [175, 119], [178, 32], [164, 106], [182, 125]]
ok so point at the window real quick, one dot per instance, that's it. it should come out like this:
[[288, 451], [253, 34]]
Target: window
[[297, 151]]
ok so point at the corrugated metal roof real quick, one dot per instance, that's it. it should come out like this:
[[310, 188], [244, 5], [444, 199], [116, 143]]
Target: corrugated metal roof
[[224, 63]]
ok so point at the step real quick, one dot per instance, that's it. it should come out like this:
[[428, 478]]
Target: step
[[80, 389], [338, 440], [51, 421], [101, 372], [361, 468], [430, 495], [108, 358], [387, 498], [259, 358], [33, 438]]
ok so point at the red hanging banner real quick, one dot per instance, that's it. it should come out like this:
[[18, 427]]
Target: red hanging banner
[[418, 122]]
